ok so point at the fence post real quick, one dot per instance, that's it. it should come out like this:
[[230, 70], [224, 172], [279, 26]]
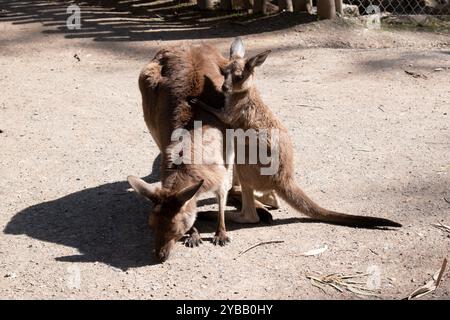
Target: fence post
[[339, 7], [260, 6], [285, 5], [302, 5], [225, 5], [326, 9]]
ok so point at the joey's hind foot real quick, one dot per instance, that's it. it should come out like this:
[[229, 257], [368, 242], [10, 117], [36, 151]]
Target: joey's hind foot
[[221, 239], [240, 217], [264, 215], [234, 200], [192, 240]]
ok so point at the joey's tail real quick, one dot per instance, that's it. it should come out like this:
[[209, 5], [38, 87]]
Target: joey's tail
[[295, 196]]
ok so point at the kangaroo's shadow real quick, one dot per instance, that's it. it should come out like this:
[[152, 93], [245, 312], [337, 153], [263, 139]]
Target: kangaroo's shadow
[[105, 223]]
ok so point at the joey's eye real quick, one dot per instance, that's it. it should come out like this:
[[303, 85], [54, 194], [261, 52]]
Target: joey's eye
[[238, 78]]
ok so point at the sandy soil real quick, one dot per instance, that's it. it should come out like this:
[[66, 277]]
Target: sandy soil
[[370, 139]]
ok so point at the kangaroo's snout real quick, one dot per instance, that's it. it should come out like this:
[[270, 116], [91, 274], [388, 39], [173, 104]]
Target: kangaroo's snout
[[162, 255], [162, 252]]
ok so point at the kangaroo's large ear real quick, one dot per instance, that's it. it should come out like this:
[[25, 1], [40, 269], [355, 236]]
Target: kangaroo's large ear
[[237, 48], [148, 191], [257, 60], [187, 193]]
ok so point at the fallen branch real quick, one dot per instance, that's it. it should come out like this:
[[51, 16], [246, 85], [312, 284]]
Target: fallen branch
[[257, 245]]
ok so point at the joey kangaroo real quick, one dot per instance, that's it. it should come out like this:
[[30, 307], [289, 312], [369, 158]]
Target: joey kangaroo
[[244, 109]]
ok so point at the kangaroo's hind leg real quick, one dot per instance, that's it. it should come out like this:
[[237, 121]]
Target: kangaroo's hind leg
[[263, 199], [248, 212]]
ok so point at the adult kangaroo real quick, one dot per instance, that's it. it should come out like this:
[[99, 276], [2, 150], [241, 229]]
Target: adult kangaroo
[[166, 83]]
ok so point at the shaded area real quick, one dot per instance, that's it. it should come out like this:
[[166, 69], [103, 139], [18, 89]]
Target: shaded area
[[140, 20], [107, 224], [408, 62]]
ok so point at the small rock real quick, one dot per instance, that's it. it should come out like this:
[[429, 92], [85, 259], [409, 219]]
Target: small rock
[[11, 275]]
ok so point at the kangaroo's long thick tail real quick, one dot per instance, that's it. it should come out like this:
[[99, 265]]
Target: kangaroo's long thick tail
[[295, 196]]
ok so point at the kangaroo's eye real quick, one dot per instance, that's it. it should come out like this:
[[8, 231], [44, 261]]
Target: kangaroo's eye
[[238, 78]]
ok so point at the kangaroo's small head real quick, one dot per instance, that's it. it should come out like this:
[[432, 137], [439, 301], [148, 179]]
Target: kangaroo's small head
[[171, 216], [238, 73]]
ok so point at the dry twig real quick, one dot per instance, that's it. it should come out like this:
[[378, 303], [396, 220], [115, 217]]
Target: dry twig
[[416, 75], [257, 245], [442, 227], [307, 106]]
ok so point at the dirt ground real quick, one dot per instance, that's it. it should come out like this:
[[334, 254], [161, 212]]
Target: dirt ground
[[370, 139]]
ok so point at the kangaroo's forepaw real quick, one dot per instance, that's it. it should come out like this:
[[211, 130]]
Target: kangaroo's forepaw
[[193, 240], [221, 239]]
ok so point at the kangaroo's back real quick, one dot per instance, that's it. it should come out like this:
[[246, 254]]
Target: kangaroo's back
[[167, 82]]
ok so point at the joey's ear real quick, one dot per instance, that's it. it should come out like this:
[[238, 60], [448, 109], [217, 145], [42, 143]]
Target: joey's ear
[[237, 48], [150, 192], [187, 193], [257, 60]]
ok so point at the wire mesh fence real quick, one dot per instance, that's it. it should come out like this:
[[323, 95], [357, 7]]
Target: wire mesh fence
[[402, 7]]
